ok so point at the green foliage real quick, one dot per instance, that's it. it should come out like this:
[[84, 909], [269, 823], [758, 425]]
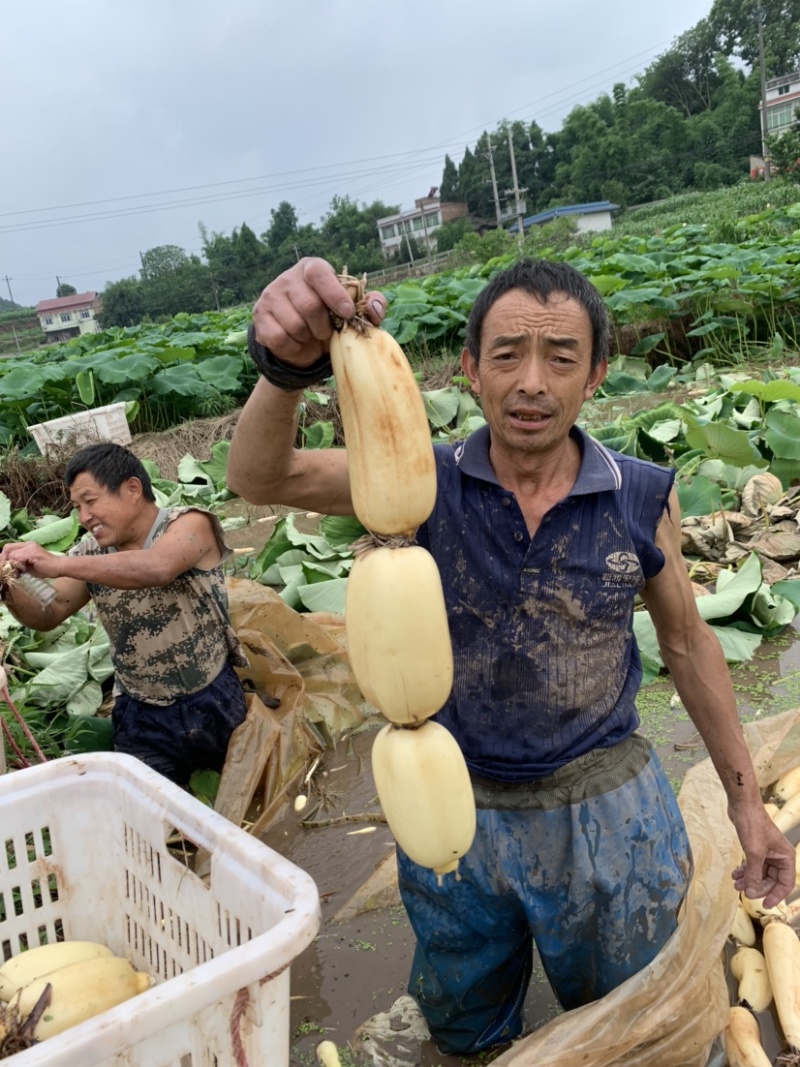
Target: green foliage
[[350, 234], [14, 313], [486, 246], [190, 367], [741, 611], [555, 236], [784, 154], [123, 303], [734, 24], [64, 289], [450, 233]]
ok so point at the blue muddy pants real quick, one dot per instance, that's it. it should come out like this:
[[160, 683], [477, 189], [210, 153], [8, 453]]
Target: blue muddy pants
[[596, 884], [191, 734]]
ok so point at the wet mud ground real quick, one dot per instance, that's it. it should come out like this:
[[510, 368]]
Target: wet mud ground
[[358, 967]]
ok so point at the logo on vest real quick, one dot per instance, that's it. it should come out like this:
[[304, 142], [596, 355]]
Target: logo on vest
[[623, 562]]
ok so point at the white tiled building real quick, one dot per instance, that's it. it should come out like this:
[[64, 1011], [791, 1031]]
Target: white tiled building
[[420, 223], [782, 99], [69, 316]]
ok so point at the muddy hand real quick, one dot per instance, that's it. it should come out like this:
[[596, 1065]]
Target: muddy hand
[[292, 317]]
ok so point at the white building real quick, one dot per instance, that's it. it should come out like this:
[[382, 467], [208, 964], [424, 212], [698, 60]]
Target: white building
[[782, 99], [420, 223], [589, 217], [69, 316]]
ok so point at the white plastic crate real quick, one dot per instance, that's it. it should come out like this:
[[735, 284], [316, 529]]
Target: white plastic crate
[[83, 856], [108, 423]]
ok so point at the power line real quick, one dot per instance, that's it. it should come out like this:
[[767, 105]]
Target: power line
[[415, 162]]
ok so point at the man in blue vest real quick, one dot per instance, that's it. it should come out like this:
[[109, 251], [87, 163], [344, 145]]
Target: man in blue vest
[[543, 538]]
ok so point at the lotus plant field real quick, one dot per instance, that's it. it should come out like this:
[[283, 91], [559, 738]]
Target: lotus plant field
[[704, 376]]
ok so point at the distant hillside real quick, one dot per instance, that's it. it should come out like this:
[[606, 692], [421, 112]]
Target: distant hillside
[[8, 305]]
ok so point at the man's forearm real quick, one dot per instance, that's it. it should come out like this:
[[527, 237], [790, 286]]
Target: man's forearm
[[262, 449], [137, 569], [700, 675], [28, 610]]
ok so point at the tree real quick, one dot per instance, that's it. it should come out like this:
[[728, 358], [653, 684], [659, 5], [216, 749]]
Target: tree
[[719, 142], [283, 226], [122, 303], [161, 260], [450, 233], [251, 256], [64, 289], [685, 76], [350, 234], [173, 282], [473, 176], [536, 166], [409, 250], [486, 246], [223, 263], [735, 25], [448, 190]]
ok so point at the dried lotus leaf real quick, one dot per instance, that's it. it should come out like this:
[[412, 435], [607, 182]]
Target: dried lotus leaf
[[737, 520], [780, 546], [761, 491], [694, 542], [773, 572]]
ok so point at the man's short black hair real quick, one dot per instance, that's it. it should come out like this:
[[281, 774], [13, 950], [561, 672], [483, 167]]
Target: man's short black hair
[[541, 278], [110, 465]]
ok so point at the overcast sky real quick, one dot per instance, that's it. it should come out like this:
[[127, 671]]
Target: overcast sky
[[155, 115]]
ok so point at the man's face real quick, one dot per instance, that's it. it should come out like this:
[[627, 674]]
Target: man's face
[[108, 516], [534, 371]]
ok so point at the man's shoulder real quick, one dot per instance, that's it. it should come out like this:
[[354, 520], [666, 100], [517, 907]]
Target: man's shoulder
[[87, 546], [190, 511]]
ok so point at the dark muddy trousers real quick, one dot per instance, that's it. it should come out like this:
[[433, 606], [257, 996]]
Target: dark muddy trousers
[[191, 734], [595, 882]]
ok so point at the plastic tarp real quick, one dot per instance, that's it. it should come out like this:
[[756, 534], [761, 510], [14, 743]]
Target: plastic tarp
[[300, 661], [669, 1014]]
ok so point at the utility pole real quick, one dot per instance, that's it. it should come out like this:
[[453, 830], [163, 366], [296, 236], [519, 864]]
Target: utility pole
[[764, 126], [425, 231], [490, 157], [516, 190], [214, 289], [58, 284], [8, 281], [408, 242]]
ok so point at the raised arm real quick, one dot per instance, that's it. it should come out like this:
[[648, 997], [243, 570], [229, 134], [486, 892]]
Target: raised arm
[[189, 541], [698, 669], [292, 321]]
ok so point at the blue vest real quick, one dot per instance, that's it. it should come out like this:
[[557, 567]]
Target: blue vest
[[546, 665]]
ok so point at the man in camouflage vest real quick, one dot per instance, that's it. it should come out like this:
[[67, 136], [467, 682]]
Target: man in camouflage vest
[[155, 578]]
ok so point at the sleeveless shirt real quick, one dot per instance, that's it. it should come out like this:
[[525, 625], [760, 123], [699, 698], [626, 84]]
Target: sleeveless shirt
[[170, 641], [546, 664]]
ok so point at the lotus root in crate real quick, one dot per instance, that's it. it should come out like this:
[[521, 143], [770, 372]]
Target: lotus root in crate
[[85, 857]]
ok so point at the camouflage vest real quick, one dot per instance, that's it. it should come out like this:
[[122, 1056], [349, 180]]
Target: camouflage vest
[[173, 641]]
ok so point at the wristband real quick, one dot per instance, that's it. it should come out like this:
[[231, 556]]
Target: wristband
[[283, 375]]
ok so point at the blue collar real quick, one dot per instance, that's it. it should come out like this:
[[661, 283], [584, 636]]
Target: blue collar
[[598, 472]]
